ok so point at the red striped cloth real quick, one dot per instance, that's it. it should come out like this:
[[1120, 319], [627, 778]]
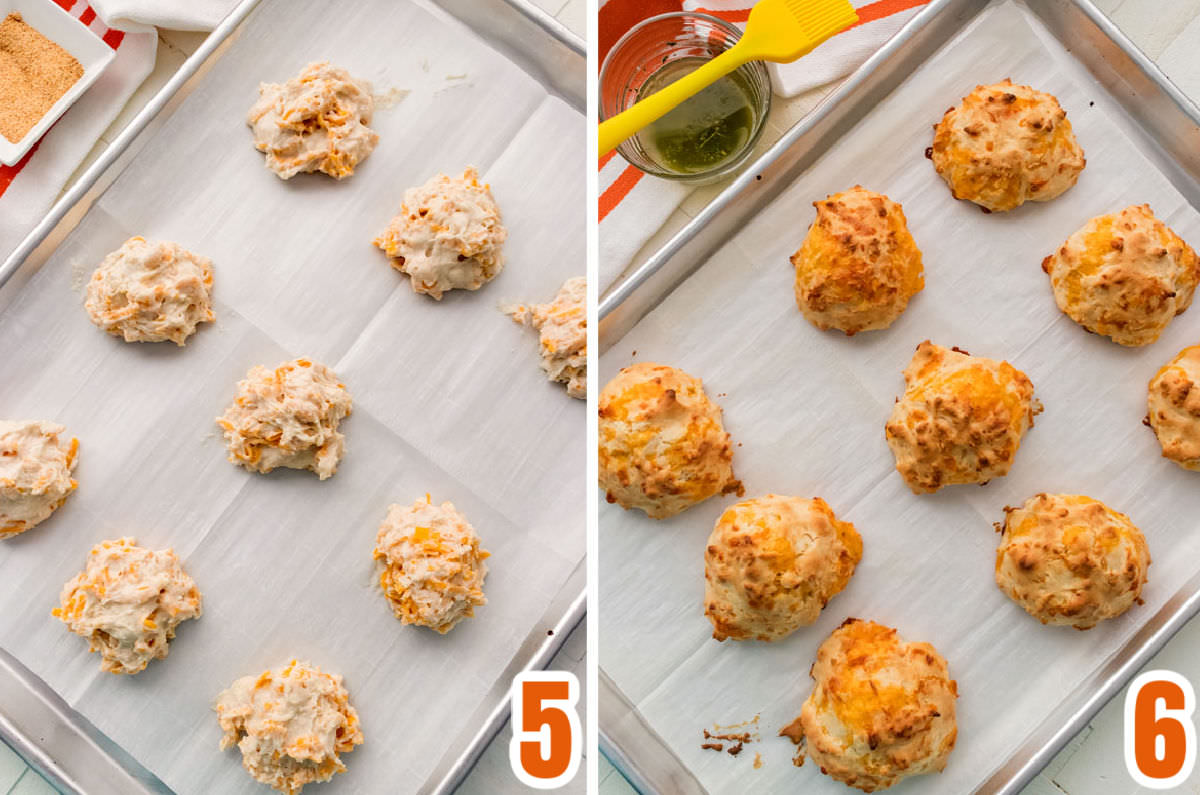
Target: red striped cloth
[[632, 206]]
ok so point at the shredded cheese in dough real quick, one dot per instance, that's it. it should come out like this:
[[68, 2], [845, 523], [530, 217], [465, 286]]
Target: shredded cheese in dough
[[36, 462], [562, 327], [447, 235], [288, 417], [127, 602], [431, 564], [317, 121], [291, 723]]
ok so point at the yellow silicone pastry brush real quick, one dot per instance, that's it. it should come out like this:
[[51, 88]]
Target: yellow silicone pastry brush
[[778, 30]]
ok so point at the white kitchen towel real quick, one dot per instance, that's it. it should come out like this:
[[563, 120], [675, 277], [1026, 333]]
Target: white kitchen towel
[[28, 189], [169, 14], [633, 206], [878, 21]]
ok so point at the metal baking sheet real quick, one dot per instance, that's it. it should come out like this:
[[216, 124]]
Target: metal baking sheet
[[1137, 110], [541, 66]]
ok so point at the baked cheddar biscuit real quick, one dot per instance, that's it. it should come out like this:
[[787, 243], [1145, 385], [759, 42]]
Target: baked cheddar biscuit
[[1124, 276], [1174, 408], [149, 291], [127, 602], [662, 445], [881, 709], [960, 420], [431, 566], [36, 462], [447, 235], [858, 266], [562, 329], [291, 723], [317, 121], [287, 417], [771, 565], [1006, 145], [1069, 559]]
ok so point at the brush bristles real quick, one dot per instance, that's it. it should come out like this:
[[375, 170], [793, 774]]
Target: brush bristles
[[822, 18]]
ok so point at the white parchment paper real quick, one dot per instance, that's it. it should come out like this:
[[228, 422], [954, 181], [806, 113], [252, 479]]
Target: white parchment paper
[[449, 399], [807, 411]]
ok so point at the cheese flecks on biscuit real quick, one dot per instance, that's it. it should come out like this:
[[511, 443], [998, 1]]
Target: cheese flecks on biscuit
[[127, 602], [1174, 408], [1071, 560], [562, 334], [36, 462], [317, 121], [663, 447], [960, 420], [859, 266], [291, 723], [287, 417], [151, 291], [1006, 145], [431, 565], [1124, 276], [881, 709], [771, 565], [447, 235]]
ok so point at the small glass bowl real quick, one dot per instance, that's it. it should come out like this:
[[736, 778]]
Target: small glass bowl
[[654, 43]]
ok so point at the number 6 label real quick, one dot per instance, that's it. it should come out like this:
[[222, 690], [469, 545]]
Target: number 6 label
[[547, 741], [1160, 738]]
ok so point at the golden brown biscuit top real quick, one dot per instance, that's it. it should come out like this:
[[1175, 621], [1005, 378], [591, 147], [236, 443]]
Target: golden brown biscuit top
[[881, 708], [859, 265], [960, 420], [1005, 145], [1124, 275], [662, 444], [1070, 559], [772, 563], [1174, 405]]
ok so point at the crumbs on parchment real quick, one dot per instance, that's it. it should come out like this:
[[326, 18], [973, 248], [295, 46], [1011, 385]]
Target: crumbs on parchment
[[733, 738]]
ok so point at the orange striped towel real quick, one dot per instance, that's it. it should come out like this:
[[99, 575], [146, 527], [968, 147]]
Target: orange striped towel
[[28, 189], [634, 207]]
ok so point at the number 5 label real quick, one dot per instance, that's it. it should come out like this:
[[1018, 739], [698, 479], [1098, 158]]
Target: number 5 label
[[547, 740], [1160, 738]]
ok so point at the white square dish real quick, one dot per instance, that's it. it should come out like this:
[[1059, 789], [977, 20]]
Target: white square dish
[[93, 54]]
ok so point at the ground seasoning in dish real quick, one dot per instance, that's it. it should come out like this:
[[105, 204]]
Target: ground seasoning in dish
[[34, 73]]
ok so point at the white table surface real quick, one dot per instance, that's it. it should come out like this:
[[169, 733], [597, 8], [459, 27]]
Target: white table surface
[[1168, 31]]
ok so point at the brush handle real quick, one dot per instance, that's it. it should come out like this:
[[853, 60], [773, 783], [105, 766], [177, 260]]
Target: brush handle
[[644, 112]]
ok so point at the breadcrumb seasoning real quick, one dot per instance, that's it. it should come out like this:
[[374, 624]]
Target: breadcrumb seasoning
[[34, 73]]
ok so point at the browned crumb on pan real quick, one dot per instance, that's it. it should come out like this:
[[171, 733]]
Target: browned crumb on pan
[[732, 738], [795, 732], [34, 73]]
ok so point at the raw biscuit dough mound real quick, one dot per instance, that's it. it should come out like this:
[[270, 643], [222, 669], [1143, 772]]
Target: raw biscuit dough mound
[[447, 235], [858, 266], [151, 291], [127, 602], [881, 709], [662, 445], [562, 324], [1124, 275], [1174, 408], [1006, 145], [431, 564], [771, 565], [1071, 560], [317, 121], [292, 724], [36, 462], [960, 420], [287, 417]]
